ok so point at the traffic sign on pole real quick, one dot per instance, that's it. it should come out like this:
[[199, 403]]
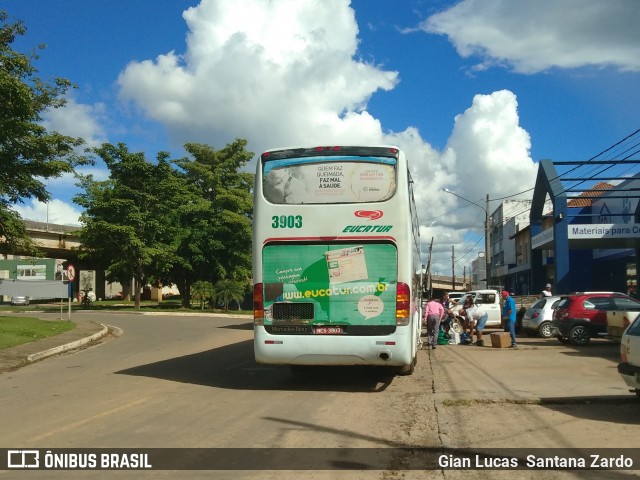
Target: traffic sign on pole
[[71, 272]]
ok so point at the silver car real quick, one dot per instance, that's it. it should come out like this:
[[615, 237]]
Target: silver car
[[537, 319], [19, 300]]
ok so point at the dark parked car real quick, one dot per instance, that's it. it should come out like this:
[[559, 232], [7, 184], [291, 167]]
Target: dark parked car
[[581, 316]]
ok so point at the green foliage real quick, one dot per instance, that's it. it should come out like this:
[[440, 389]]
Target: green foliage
[[13, 235], [202, 290], [160, 224], [29, 154], [130, 221], [228, 290], [217, 236]]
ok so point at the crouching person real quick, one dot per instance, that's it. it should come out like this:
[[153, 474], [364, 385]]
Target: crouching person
[[477, 320]]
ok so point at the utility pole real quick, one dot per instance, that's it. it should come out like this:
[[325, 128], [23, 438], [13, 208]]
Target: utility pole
[[464, 278], [487, 233], [453, 269], [487, 240], [429, 286]]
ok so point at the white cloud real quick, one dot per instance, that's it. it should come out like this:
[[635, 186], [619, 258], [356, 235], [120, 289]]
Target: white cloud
[[487, 152], [289, 74], [533, 36], [286, 74], [77, 120], [488, 147], [55, 212]]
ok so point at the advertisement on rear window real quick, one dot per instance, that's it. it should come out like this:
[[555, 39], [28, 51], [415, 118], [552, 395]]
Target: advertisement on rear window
[[333, 180], [330, 284]]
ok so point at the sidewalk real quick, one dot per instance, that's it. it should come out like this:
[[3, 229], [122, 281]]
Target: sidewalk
[[85, 332], [540, 370]]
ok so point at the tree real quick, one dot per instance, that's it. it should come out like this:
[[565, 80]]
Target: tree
[[217, 236], [202, 290], [13, 234], [158, 224], [227, 290], [130, 223], [29, 153]]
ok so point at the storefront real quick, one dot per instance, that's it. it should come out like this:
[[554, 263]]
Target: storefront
[[593, 243]]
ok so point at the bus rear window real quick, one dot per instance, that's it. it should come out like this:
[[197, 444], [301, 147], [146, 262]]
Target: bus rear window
[[323, 180]]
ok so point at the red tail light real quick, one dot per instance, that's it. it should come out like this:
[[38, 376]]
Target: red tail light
[[560, 313], [535, 315], [403, 304], [258, 304]]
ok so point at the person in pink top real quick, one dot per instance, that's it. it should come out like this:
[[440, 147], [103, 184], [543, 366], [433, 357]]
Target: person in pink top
[[433, 314]]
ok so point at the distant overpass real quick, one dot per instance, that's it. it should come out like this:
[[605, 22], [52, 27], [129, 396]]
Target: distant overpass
[[444, 282], [56, 241], [62, 242]]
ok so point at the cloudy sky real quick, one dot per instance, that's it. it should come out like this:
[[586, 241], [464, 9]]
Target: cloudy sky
[[476, 92]]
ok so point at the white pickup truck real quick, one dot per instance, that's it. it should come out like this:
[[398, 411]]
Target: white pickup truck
[[487, 301]]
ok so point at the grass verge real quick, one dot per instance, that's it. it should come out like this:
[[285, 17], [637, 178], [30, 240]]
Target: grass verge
[[19, 330], [120, 305]]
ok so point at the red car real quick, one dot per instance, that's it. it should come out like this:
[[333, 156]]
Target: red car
[[581, 316]]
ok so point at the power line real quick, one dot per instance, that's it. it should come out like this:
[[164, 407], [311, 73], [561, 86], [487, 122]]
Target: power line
[[626, 148], [564, 174]]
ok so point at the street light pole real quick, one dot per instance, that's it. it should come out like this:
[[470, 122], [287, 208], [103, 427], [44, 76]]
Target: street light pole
[[487, 232], [487, 242]]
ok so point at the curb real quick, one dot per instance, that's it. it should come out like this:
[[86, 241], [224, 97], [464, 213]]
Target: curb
[[69, 346], [200, 314]]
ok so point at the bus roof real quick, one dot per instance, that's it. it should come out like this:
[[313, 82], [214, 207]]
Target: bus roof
[[279, 153]]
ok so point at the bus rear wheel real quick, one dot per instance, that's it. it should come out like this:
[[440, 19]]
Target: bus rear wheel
[[409, 369]]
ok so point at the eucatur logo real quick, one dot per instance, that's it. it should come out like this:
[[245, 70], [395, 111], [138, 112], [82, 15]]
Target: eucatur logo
[[370, 214]]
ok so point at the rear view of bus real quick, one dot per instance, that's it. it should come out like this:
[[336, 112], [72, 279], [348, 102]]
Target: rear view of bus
[[336, 262]]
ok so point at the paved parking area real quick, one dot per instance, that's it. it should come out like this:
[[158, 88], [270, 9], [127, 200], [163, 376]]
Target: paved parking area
[[544, 394], [539, 370]]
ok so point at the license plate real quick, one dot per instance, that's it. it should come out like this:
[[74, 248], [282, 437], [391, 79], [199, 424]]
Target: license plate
[[328, 331]]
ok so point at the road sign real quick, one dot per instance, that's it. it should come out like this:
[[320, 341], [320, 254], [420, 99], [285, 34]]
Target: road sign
[[71, 272]]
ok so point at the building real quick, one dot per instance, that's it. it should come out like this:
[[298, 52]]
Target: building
[[479, 272], [583, 232], [505, 219]]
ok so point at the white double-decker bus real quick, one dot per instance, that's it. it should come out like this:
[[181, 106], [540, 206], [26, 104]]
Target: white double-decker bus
[[336, 258]]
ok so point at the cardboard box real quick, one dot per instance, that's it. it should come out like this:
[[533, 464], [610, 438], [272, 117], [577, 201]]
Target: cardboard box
[[501, 340]]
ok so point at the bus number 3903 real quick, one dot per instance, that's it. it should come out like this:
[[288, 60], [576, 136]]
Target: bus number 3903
[[286, 221]]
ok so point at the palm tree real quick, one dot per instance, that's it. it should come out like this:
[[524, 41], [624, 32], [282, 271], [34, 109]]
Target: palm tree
[[202, 290], [227, 290]]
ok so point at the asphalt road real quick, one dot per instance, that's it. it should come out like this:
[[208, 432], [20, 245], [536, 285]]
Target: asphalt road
[[191, 382]]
